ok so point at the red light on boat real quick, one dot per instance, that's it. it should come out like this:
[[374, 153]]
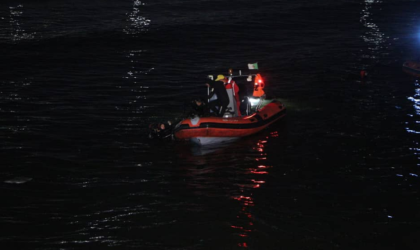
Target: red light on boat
[[258, 86]]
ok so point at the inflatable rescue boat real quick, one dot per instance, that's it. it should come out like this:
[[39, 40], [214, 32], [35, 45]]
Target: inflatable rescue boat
[[412, 68], [209, 130]]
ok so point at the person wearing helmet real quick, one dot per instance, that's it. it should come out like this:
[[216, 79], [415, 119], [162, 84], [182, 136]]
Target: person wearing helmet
[[219, 105]]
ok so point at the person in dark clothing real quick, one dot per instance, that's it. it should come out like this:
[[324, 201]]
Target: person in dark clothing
[[200, 107], [197, 107], [160, 130], [219, 105], [243, 95]]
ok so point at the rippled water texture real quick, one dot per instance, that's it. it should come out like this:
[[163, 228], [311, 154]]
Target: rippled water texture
[[81, 81]]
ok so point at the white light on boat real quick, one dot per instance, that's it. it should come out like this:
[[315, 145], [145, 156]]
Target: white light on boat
[[254, 101]]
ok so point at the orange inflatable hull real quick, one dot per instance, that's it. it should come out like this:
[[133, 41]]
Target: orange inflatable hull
[[412, 68], [229, 128]]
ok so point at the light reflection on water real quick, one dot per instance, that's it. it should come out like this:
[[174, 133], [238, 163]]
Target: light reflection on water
[[374, 37], [413, 127], [245, 220], [11, 97], [133, 80], [235, 171], [17, 31], [138, 23]]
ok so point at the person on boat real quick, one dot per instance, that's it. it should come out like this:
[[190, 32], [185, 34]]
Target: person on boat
[[219, 105], [198, 107], [243, 97], [229, 83]]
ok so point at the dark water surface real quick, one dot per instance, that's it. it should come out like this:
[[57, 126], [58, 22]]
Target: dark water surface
[[82, 80]]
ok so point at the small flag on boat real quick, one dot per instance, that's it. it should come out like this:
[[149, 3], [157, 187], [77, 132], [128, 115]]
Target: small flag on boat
[[252, 65]]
